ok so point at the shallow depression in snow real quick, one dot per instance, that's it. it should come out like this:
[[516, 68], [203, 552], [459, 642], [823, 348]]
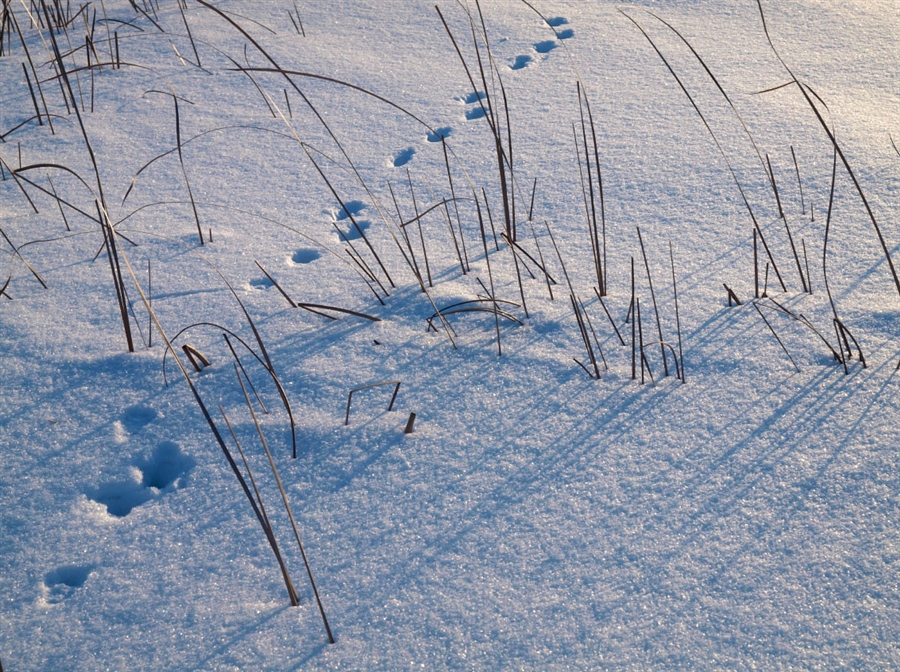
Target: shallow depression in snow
[[165, 469]]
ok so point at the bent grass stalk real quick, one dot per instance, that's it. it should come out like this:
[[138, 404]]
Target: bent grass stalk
[[287, 508], [655, 308], [212, 425], [262, 515], [805, 91]]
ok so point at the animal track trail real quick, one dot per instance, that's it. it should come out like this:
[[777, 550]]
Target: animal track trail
[[475, 108], [163, 471], [544, 47]]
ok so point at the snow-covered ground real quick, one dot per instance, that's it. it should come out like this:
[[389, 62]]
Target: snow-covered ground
[[536, 517]]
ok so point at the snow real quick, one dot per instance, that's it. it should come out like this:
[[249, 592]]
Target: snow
[[536, 517]]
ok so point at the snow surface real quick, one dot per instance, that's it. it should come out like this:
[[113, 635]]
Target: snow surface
[[536, 518]]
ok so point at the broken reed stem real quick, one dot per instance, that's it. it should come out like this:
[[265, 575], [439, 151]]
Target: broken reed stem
[[395, 383], [731, 296], [195, 357], [287, 508], [18, 180], [802, 319], [16, 252]]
